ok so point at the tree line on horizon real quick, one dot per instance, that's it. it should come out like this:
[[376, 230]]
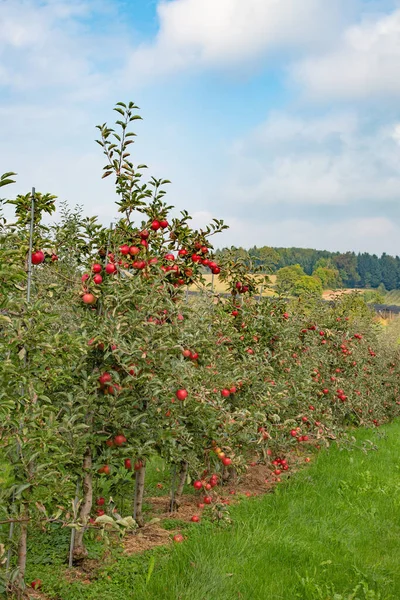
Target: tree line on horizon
[[335, 269]]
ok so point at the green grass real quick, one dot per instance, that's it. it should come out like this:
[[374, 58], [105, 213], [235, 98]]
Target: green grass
[[392, 297], [334, 528]]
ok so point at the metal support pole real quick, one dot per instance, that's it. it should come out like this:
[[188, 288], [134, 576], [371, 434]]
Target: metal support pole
[[28, 289], [28, 299], [108, 242], [10, 537], [73, 530], [136, 494], [172, 504]]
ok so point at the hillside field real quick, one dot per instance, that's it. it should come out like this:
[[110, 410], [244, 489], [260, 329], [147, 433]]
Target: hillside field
[[221, 288]]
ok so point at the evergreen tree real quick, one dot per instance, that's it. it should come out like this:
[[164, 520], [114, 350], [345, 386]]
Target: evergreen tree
[[347, 266], [389, 271]]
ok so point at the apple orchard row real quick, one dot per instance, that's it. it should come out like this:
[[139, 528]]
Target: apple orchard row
[[112, 364]]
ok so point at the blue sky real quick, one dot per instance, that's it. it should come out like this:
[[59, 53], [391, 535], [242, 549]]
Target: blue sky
[[281, 117]]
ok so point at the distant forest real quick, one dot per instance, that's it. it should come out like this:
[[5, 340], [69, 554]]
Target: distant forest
[[355, 270]]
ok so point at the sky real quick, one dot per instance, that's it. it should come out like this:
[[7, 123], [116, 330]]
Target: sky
[[281, 117]]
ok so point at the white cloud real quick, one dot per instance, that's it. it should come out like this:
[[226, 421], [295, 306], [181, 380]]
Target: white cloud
[[50, 54], [49, 45], [232, 32], [331, 160], [366, 62]]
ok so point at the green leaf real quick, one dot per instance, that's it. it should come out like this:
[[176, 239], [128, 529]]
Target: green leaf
[[21, 489], [152, 563], [127, 522], [106, 520]]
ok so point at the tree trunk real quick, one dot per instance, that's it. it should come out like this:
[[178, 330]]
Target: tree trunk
[[229, 475], [80, 551], [23, 535], [22, 543], [175, 497], [139, 491], [182, 478]]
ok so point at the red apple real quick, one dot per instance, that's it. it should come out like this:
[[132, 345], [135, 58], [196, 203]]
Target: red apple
[[37, 257], [119, 440], [88, 299], [110, 268], [105, 378], [181, 394], [139, 264]]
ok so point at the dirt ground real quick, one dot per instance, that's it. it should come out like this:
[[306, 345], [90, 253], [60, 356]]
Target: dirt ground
[[258, 480]]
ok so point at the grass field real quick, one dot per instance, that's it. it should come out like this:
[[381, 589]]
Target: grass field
[[393, 297], [220, 287], [332, 532]]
